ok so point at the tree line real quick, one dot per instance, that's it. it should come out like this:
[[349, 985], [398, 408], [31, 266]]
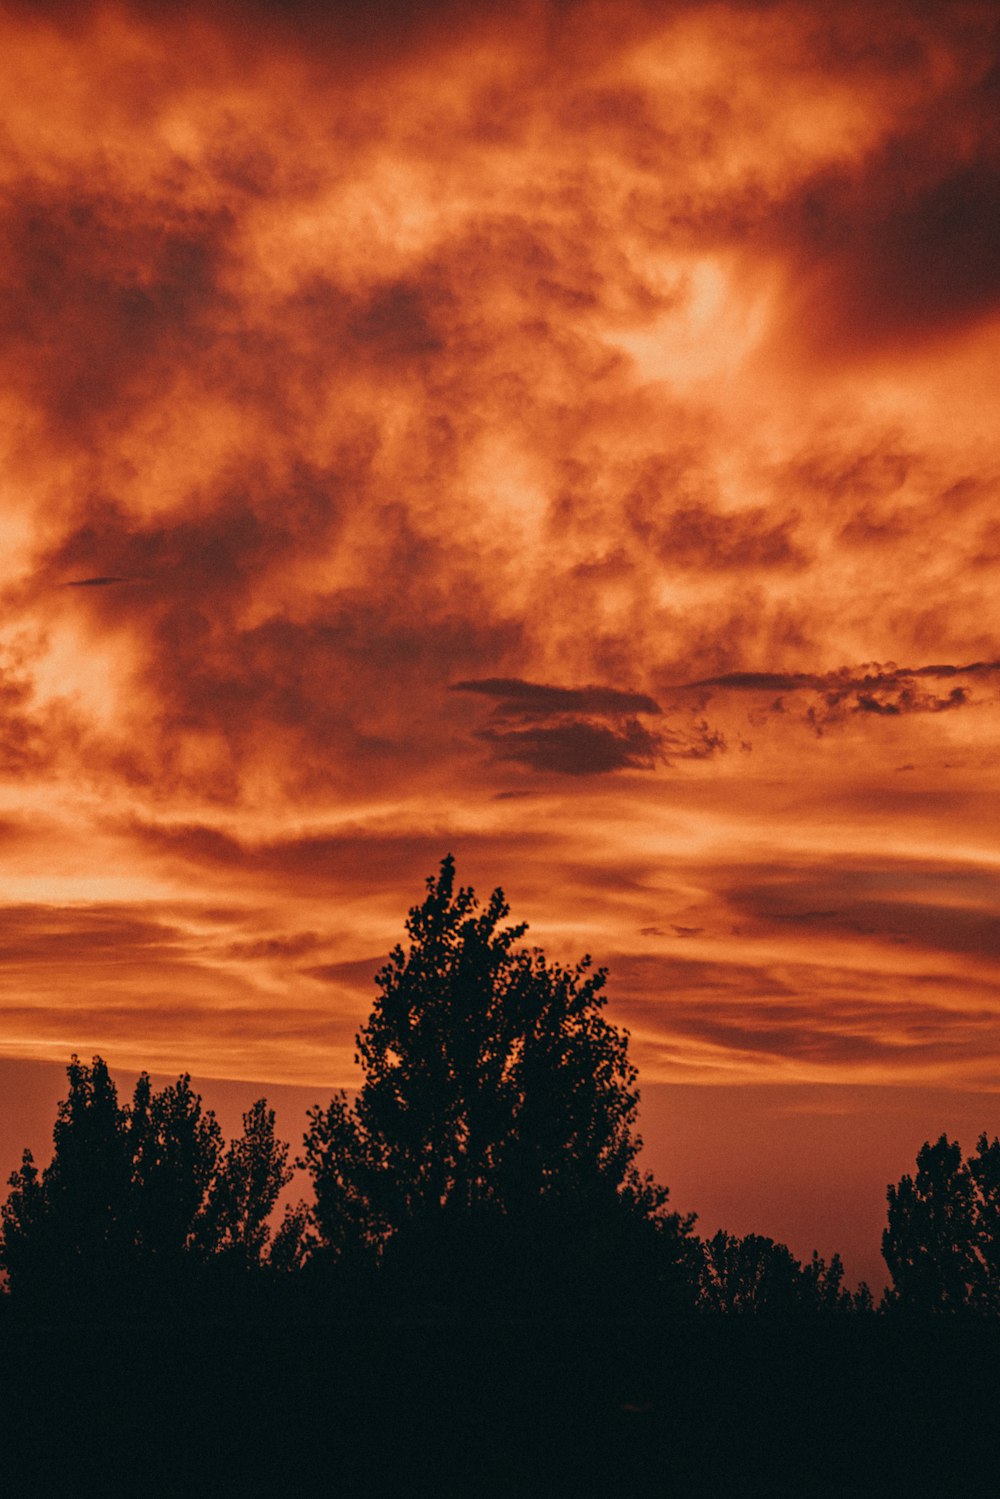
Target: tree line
[[488, 1162]]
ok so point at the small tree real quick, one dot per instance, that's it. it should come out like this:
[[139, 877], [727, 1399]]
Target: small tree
[[497, 1106]]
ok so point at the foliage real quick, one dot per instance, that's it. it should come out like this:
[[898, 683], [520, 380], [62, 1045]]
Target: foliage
[[245, 1188], [175, 1149], [497, 1107], [754, 1275], [942, 1239], [137, 1200]]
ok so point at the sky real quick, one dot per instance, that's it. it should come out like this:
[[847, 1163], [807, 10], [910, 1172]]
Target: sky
[[560, 434]]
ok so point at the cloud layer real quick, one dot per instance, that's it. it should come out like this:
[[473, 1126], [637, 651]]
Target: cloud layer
[[539, 436]]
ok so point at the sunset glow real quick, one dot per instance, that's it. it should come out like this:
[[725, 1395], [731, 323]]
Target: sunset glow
[[562, 435]]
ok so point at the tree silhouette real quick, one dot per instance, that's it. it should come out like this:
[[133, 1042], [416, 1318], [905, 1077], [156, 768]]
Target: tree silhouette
[[68, 1231], [496, 1115], [175, 1148], [751, 1274], [757, 1275], [929, 1243], [137, 1200], [984, 1168], [942, 1239], [245, 1189]]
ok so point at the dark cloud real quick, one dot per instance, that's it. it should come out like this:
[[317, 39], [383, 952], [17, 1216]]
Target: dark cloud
[[838, 1034], [825, 699], [96, 582], [696, 536], [33, 933], [214, 557], [896, 264], [326, 670], [577, 747], [102, 292], [847, 677], [910, 701], [374, 858], [352, 973], [531, 699], [582, 731], [289, 945], [801, 1012], [760, 681], [943, 908], [325, 31], [900, 245]]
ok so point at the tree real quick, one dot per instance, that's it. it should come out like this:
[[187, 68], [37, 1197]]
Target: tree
[[245, 1189], [752, 1274], [67, 1231], [757, 1275], [175, 1148], [984, 1168], [137, 1200], [942, 1240], [931, 1240], [497, 1109]]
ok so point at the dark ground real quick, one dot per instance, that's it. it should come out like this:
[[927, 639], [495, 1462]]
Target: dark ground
[[859, 1408]]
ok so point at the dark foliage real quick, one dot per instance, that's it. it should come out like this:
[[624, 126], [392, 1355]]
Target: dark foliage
[[139, 1203], [942, 1240], [491, 1150], [756, 1276]]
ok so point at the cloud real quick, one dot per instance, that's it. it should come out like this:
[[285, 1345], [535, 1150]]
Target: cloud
[[849, 1033], [879, 257], [352, 972], [896, 246], [577, 747], [100, 582], [531, 699], [825, 699], [102, 291], [699, 537], [421, 363], [371, 858], [941, 907], [582, 731], [724, 1020]]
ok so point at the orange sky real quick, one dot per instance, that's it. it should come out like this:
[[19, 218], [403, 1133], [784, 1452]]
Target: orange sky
[[565, 435]]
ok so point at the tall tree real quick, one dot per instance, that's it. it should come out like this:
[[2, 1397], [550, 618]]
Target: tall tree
[[984, 1168], [496, 1097], [930, 1242], [175, 1147]]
